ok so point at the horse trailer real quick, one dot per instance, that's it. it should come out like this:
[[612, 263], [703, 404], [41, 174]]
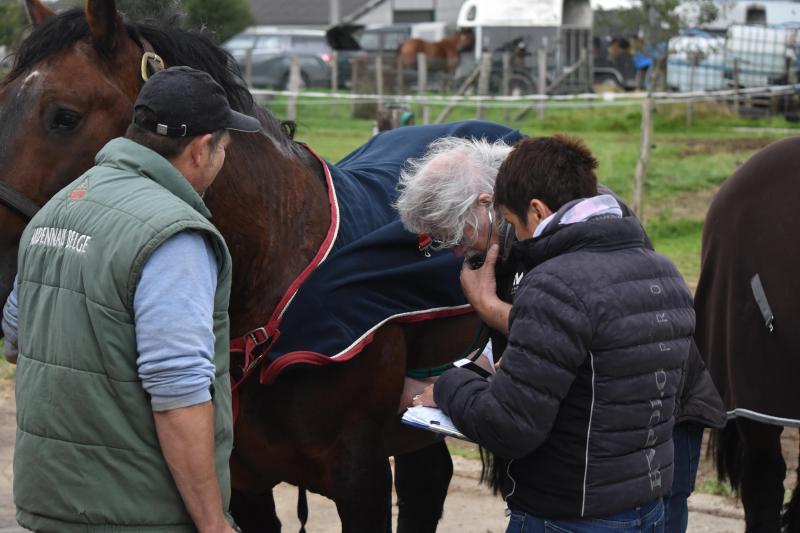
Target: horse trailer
[[556, 31]]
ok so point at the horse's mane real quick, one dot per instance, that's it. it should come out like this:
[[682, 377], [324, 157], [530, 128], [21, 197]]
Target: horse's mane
[[176, 46]]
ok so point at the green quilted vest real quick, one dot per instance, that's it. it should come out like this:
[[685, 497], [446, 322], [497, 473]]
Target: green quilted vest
[[87, 456]]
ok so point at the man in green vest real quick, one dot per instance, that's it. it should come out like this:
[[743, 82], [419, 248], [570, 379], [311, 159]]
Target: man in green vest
[[119, 325]]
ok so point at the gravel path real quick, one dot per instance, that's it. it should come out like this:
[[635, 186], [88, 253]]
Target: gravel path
[[469, 507]]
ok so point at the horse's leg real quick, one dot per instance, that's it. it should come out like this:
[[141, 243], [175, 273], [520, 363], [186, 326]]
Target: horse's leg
[[421, 480], [255, 513], [763, 471], [362, 488]]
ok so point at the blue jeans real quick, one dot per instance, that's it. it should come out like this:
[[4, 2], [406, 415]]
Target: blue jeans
[[646, 519], [687, 438]]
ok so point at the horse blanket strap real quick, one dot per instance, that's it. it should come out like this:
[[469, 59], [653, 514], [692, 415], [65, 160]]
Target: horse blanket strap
[[763, 304], [256, 344], [151, 61], [16, 201]]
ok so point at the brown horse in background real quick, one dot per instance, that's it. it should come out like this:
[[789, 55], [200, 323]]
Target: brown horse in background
[[748, 328], [441, 55], [328, 429]]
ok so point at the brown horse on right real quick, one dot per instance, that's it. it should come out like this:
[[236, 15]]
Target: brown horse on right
[[748, 328], [440, 55]]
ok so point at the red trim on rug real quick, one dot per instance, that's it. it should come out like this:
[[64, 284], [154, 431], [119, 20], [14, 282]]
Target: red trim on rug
[[270, 372]]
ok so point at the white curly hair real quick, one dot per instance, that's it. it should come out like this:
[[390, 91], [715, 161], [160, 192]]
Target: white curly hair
[[439, 191]]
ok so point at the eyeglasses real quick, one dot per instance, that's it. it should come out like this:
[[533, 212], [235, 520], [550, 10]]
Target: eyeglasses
[[467, 241], [474, 257]]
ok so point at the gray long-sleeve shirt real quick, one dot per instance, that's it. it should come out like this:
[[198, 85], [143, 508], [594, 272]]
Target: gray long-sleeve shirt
[[173, 311]]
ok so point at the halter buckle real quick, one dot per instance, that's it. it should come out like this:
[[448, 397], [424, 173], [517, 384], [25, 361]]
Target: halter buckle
[[151, 61], [259, 336]]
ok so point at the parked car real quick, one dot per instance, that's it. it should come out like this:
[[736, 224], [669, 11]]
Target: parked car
[[270, 51]]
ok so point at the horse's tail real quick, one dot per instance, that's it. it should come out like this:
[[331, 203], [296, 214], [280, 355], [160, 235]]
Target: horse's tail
[[493, 470], [728, 454], [302, 508]]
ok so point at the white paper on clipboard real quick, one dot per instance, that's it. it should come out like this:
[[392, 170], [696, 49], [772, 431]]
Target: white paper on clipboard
[[431, 419]]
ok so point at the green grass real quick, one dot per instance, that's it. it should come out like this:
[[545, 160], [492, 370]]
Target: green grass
[[687, 165], [715, 487], [463, 449], [680, 241]]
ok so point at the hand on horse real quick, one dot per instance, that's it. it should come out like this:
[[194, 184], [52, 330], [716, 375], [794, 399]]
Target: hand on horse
[[425, 398], [480, 288]]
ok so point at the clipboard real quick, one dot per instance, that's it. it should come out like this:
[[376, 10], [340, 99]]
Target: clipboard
[[431, 419]]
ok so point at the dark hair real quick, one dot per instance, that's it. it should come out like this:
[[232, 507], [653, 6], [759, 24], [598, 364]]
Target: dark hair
[[166, 147], [554, 169]]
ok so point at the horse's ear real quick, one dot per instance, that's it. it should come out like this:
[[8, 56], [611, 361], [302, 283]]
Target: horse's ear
[[105, 24], [37, 11]]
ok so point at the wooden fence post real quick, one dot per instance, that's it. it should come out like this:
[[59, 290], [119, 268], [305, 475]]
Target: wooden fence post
[[505, 90], [379, 80], [334, 78], [586, 71], [294, 87], [422, 85], [736, 85], [483, 83], [644, 155], [542, 81], [689, 105], [400, 81], [354, 84]]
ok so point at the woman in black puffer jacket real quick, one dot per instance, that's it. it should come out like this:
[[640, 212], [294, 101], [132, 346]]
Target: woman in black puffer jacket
[[600, 331]]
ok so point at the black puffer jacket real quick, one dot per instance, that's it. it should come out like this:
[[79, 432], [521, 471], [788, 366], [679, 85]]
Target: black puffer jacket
[[584, 399]]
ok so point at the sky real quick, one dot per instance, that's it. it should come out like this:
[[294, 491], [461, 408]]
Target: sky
[[613, 4]]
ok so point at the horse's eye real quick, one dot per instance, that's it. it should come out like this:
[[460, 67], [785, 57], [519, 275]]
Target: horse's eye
[[65, 120]]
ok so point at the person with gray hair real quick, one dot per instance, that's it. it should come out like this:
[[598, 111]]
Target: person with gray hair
[[447, 194], [441, 192]]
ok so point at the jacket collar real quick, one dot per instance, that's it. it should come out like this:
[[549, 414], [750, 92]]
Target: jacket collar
[[601, 234], [128, 155]]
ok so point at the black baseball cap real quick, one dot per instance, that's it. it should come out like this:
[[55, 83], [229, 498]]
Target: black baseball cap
[[186, 103]]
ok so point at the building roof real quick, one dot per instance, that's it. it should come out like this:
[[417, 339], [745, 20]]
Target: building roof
[[301, 12]]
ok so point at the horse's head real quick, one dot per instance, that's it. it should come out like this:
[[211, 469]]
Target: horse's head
[[71, 89], [464, 40]]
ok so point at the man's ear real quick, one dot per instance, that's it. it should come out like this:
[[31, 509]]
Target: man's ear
[[200, 149], [485, 198], [538, 209]]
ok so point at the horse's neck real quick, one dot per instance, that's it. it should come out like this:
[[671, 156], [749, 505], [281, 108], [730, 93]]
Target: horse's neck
[[450, 41], [272, 208]]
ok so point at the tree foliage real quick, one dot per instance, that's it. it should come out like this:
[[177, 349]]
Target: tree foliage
[[139, 10], [655, 21], [224, 18], [13, 22]]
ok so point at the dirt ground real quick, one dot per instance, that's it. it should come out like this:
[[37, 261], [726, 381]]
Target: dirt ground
[[716, 146], [469, 507]]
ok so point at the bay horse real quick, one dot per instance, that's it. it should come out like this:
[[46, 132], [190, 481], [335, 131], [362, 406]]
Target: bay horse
[[329, 429], [748, 327], [440, 55]]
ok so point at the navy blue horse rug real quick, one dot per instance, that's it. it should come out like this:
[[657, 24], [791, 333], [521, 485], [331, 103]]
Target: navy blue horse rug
[[369, 270]]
